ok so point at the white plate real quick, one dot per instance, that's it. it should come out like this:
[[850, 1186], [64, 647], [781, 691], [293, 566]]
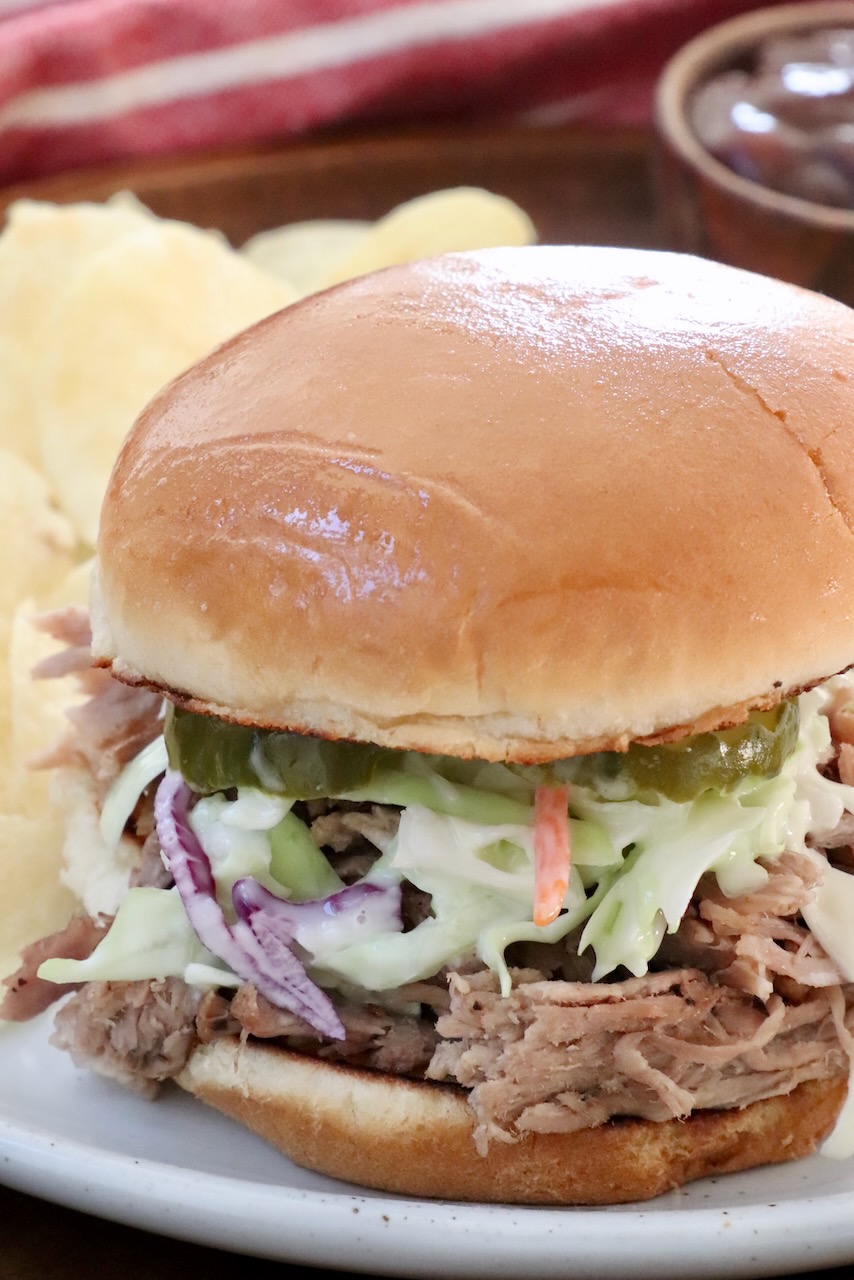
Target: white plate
[[178, 1169]]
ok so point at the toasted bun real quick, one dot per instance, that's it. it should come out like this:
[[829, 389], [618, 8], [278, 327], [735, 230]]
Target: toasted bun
[[518, 503], [403, 1136]]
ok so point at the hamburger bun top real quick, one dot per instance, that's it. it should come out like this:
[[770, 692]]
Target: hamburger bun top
[[510, 504]]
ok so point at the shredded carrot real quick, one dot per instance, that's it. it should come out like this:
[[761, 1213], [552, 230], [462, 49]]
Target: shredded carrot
[[551, 852]]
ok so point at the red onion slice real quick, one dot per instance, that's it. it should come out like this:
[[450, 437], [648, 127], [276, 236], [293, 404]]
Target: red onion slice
[[358, 910], [282, 978], [256, 954], [190, 867]]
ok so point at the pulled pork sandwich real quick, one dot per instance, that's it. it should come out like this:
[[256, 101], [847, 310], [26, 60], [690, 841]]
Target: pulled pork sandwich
[[497, 842]]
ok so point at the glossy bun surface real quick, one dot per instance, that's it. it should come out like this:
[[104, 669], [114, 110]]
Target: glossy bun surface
[[513, 504]]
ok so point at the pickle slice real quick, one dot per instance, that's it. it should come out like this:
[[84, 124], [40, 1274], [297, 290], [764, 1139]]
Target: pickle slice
[[683, 770], [213, 755]]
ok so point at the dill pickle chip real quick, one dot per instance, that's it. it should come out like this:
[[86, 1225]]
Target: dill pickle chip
[[719, 761], [213, 755], [684, 769]]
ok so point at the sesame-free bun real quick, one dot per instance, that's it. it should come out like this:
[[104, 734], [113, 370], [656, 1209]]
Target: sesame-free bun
[[514, 504], [415, 1138]]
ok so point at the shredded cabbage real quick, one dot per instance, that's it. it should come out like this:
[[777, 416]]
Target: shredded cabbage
[[236, 848], [431, 791], [122, 797], [296, 863], [150, 937]]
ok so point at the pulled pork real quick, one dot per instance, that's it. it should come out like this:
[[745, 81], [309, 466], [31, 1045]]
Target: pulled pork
[[553, 1057], [26, 993], [741, 1004], [114, 723], [139, 1033]]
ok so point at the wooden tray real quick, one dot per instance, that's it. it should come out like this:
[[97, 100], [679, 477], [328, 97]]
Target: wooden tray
[[579, 186]]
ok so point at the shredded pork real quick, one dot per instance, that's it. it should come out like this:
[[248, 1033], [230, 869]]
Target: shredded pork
[[558, 1056], [139, 1033], [114, 723], [26, 993], [376, 1037]]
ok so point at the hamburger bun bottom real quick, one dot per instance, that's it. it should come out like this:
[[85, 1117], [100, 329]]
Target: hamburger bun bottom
[[416, 1138]]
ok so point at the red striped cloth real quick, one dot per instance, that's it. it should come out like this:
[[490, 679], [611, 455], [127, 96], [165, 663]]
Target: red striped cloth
[[86, 82]]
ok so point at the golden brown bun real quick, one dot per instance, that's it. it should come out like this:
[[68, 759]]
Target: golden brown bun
[[398, 1135], [519, 503]]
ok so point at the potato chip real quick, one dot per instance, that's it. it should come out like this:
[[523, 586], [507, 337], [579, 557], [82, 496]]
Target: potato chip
[[17, 428], [305, 253], [5, 735], [37, 707], [33, 828], [92, 869], [35, 901], [33, 836], [130, 318], [38, 542], [442, 222], [41, 244], [38, 556], [71, 589]]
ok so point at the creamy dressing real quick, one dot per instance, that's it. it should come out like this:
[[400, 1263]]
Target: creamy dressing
[[830, 916], [840, 1143], [121, 800]]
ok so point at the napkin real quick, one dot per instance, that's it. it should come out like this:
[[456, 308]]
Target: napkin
[[87, 82]]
